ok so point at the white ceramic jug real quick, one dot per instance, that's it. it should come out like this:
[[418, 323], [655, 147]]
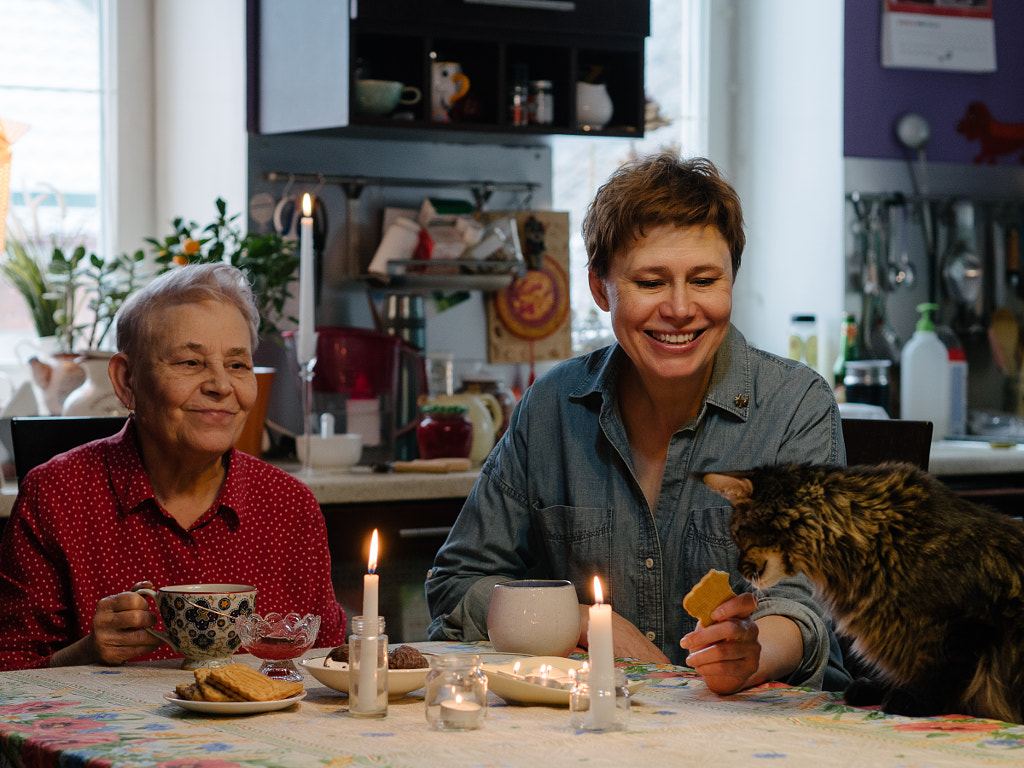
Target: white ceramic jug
[[485, 413], [96, 396], [594, 106]]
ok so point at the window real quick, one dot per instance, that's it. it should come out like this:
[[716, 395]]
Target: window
[[50, 79], [674, 80]]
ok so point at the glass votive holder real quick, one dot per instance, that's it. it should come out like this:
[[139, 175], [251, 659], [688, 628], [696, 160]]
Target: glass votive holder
[[367, 669], [604, 709], [456, 693]]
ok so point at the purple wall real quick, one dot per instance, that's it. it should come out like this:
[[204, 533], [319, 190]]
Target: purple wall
[[875, 97]]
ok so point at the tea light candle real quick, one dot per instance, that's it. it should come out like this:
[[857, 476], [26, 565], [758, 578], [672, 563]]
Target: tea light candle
[[368, 655], [459, 713], [305, 344], [602, 661]]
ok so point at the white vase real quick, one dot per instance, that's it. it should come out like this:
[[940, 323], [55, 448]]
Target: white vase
[[96, 396], [594, 106]]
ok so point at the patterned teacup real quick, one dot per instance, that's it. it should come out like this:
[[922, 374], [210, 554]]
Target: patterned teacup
[[199, 620]]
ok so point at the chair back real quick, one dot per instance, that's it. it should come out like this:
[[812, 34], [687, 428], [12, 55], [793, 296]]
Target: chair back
[[873, 441], [37, 439]]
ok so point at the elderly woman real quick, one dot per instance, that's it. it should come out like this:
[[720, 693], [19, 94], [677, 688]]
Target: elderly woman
[[593, 476], [168, 499]]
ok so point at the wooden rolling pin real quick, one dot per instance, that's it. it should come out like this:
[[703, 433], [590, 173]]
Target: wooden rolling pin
[[432, 465]]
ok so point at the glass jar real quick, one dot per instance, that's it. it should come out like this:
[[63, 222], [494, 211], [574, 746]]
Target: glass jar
[[444, 432], [542, 102], [867, 381], [367, 669], [594, 710], [456, 693]]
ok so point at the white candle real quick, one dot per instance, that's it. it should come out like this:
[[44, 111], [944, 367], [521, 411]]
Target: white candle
[[602, 661], [367, 700], [305, 343], [458, 713]]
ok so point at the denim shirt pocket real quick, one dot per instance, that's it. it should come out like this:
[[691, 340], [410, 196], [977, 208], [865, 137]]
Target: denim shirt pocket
[[576, 541], [708, 543]]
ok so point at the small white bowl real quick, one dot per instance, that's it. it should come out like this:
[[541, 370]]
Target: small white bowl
[[332, 452], [400, 681]]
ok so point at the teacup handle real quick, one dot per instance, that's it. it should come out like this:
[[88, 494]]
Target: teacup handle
[[151, 593], [410, 95]]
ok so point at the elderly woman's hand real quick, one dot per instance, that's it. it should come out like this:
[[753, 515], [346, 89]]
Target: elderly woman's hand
[[118, 633], [728, 653]]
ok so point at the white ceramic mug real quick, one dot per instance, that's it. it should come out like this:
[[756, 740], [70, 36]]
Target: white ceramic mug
[[447, 85], [200, 620], [380, 97], [540, 617]]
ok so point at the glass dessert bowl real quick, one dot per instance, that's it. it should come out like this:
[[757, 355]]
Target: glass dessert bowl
[[277, 639]]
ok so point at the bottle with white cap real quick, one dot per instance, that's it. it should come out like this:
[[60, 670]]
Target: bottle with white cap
[[925, 376]]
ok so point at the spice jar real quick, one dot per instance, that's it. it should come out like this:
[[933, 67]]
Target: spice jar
[[867, 381], [542, 102], [444, 432], [456, 693]]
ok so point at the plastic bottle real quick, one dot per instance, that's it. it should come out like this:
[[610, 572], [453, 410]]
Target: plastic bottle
[[957, 380], [925, 376]]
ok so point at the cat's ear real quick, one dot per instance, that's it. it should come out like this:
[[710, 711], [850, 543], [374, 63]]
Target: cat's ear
[[733, 488]]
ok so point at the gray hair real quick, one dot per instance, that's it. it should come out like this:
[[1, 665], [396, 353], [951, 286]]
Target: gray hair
[[185, 284]]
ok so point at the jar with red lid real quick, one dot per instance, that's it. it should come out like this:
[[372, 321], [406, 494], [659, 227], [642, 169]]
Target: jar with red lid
[[444, 432]]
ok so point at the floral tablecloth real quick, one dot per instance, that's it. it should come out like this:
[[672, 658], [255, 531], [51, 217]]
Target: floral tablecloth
[[99, 716]]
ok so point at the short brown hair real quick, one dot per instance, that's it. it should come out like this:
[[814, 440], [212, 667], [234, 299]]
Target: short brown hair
[[659, 190]]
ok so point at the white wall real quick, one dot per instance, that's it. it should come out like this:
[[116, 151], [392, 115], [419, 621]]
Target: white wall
[[776, 99], [200, 87]]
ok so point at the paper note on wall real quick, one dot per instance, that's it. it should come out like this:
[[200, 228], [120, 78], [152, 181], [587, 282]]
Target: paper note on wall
[[925, 35]]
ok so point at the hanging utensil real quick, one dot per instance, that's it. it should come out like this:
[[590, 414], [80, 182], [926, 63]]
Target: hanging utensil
[[962, 267], [913, 131]]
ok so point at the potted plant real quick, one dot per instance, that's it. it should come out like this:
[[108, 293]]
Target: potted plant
[[268, 260]]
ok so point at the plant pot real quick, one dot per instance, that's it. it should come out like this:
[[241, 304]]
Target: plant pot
[[96, 396], [251, 439]]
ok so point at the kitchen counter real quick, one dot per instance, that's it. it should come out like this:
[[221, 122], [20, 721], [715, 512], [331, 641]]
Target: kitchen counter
[[359, 485], [948, 458]]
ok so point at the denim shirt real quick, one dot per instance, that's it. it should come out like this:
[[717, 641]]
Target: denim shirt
[[558, 498]]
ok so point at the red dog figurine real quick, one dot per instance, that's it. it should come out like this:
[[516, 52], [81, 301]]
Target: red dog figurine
[[996, 138]]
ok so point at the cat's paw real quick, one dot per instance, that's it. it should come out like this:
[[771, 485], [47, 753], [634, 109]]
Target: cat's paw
[[865, 692], [912, 704]]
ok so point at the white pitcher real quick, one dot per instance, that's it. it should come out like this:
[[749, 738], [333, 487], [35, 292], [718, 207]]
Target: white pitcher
[[96, 396]]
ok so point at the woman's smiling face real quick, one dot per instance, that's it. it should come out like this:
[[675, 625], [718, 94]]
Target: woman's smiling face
[[196, 385], [670, 300]]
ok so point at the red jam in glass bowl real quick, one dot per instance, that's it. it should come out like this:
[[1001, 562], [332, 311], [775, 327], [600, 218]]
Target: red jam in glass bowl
[[444, 432]]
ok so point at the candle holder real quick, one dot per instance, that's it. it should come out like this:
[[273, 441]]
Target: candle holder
[[593, 709], [367, 669], [306, 370], [456, 693]]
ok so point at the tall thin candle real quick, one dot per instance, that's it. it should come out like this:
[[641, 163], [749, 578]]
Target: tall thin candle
[[600, 652], [305, 342], [367, 700]]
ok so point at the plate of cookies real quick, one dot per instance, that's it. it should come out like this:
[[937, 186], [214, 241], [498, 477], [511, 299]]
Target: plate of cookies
[[235, 689], [407, 670]]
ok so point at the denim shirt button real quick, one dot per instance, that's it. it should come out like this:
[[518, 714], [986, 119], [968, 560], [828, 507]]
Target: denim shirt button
[[649, 562], [651, 636]]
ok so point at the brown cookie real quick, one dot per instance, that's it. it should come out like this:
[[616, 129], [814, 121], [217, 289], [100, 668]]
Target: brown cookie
[[339, 654], [707, 594], [250, 684], [406, 657]]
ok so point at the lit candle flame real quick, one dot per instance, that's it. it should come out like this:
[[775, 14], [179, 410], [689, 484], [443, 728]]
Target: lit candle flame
[[372, 564], [458, 699], [598, 594], [515, 668], [307, 205]]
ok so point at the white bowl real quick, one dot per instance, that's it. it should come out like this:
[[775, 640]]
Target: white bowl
[[400, 681], [332, 452]]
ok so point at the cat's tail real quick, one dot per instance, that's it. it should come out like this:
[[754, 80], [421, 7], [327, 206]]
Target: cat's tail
[[995, 689]]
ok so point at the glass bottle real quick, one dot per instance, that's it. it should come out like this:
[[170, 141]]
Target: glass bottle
[[847, 351], [455, 693], [367, 686]]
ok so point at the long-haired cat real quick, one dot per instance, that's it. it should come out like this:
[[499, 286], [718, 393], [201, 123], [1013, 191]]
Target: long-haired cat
[[929, 586]]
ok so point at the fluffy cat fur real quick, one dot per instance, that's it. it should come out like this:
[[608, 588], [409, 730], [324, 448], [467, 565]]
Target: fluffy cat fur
[[929, 587]]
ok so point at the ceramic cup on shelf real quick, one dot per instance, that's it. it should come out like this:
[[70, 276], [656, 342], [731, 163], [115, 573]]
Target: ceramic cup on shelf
[[380, 97], [540, 617], [594, 106]]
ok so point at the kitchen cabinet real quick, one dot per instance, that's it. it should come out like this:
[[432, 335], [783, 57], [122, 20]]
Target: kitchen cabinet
[[304, 57]]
